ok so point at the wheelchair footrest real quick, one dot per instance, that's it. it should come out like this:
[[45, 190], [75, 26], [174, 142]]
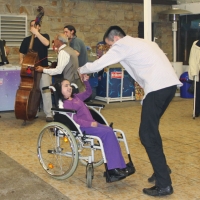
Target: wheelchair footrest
[[110, 178], [130, 169]]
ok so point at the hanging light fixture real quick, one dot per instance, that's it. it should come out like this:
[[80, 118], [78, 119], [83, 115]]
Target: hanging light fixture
[[174, 17]]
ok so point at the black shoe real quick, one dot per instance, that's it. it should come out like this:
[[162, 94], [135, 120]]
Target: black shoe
[[114, 175], [49, 119], [117, 172], [130, 169], [153, 177], [157, 191]]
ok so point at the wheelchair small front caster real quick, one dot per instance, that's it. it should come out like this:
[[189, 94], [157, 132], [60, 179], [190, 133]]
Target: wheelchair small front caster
[[89, 174]]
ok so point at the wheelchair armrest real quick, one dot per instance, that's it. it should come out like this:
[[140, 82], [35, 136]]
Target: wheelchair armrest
[[95, 105], [64, 110]]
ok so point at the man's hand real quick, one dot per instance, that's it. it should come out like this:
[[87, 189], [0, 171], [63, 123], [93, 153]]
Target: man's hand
[[77, 53], [39, 69], [21, 61], [21, 57], [34, 30], [80, 75], [85, 77], [94, 124]]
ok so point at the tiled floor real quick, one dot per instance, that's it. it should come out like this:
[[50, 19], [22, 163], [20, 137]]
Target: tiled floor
[[181, 140]]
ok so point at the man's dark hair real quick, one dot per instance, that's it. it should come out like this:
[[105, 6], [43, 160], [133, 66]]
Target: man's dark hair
[[34, 21], [71, 28], [113, 31]]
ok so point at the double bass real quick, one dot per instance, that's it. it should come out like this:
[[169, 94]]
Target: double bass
[[28, 94]]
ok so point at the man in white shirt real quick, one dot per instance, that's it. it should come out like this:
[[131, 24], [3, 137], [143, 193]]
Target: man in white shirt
[[149, 66], [67, 62]]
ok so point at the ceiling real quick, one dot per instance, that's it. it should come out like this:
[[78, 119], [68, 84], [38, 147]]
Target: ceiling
[[187, 1], [163, 2]]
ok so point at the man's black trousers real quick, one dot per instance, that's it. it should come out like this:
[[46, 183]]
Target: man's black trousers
[[197, 104], [154, 105]]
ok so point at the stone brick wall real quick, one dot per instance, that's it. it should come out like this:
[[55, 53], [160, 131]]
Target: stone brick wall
[[91, 18]]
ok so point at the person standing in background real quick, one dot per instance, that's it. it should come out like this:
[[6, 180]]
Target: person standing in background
[[194, 71], [40, 45], [77, 44]]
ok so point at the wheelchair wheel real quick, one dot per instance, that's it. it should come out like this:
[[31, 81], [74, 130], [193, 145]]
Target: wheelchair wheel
[[89, 175], [57, 150], [85, 152]]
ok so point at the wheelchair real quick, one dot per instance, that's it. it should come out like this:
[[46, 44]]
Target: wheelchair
[[61, 144]]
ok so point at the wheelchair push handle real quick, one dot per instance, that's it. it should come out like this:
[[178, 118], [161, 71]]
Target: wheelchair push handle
[[45, 88], [49, 87]]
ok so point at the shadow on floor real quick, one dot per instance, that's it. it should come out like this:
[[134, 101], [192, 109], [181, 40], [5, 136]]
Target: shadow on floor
[[17, 183]]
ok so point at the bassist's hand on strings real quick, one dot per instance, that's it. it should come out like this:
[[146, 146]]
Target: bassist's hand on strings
[[39, 69]]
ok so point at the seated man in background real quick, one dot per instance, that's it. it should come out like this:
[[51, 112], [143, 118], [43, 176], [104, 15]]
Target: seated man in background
[[67, 62]]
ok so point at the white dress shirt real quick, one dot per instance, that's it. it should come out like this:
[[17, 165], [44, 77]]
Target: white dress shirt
[[63, 59], [194, 62], [142, 59]]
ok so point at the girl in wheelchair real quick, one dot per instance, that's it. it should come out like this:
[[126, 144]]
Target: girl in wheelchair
[[117, 168]]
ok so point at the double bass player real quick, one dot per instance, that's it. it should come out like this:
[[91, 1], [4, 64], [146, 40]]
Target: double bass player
[[40, 45]]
